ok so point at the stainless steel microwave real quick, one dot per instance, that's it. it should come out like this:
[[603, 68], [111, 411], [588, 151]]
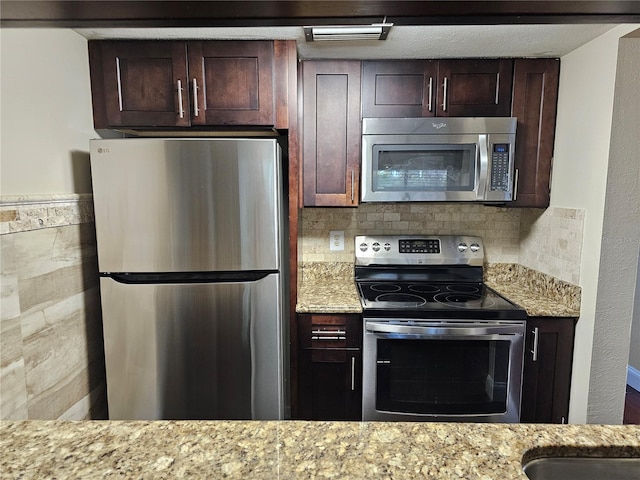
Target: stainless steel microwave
[[438, 159]]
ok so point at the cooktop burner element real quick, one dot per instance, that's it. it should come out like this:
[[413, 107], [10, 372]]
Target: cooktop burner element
[[401, 299], [443, 282]]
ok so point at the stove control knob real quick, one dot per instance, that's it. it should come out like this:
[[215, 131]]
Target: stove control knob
[[376, 247], [474, 247], [462, 247], [363, 247], [387, 246]]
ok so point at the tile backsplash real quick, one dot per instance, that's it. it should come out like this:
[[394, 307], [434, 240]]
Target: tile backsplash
[[499, 227], [551, 241], [539, 239]]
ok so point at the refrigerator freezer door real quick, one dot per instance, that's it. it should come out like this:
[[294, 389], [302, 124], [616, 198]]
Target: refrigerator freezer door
[[193, 351], [180, 205]]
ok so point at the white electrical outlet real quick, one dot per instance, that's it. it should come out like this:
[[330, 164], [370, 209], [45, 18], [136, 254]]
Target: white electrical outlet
[[336, 240]]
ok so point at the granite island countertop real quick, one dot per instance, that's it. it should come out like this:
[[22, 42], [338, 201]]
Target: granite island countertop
[[330, 288], [294, 449]]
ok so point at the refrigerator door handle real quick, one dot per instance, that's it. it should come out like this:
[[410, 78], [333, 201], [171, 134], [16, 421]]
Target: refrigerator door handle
[[189, 277]]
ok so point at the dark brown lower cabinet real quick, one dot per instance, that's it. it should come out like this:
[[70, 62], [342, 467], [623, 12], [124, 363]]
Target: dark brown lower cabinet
[[329, 367], [547, 370]]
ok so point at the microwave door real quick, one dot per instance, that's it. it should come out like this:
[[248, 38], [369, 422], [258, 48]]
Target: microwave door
[[415, 168]]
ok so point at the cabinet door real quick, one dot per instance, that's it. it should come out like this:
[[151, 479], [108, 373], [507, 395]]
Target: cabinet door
[[399, 88], [547, 370], [231, 82], [139, 84], [535, 95], [330, 385], [474, 88], [330, 367], [331, 132]]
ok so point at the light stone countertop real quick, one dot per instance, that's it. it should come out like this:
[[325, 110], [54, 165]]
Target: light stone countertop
[[536, 304], [340, 296], [330, 288], [294, 449]]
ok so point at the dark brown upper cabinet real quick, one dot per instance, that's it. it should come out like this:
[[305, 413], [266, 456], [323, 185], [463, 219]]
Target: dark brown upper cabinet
[[443, 88], [180, 84], [232, 82], [535, 98], [399, 88], [331, 132]]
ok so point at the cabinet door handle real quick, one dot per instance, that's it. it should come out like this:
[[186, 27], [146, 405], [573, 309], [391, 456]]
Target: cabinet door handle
[[119, 83], [353, 373], [196, 110], [444, 96], [430, 92], [534, 352], [353, 188], [181, 110], [515, 185]]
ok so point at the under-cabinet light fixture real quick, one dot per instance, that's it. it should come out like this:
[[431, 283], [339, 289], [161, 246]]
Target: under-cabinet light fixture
[[375, 31]]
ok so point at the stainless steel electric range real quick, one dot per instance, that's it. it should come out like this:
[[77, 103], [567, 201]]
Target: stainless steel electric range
[[439, 345]]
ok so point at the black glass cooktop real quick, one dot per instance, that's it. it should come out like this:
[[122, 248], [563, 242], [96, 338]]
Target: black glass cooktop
[[438, 300]]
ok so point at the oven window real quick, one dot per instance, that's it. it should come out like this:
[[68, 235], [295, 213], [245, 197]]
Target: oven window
[[424, 168], [442, 376]]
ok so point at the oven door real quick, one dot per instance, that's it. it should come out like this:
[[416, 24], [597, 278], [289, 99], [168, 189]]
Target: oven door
[[453, 370]]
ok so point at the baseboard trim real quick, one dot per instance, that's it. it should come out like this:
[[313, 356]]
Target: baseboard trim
[[633, 377]]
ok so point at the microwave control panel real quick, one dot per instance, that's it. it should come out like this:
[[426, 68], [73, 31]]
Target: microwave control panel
[[500, 167]]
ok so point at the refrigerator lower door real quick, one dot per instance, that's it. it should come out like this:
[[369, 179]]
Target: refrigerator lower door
[[194, 351]]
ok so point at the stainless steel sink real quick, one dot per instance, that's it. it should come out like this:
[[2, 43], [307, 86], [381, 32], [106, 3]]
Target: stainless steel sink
[[583, 468]]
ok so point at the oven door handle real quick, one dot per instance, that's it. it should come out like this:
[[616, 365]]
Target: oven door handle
[[392, 330]]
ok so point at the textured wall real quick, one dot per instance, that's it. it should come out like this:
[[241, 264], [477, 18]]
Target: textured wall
[[46, 112], [52, 361], [620, 245]]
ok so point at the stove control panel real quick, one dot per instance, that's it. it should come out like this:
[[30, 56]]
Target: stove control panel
[[419, 245], [419, 250]]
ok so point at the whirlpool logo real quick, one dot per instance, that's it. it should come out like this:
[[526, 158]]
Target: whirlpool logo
[[438, 126]]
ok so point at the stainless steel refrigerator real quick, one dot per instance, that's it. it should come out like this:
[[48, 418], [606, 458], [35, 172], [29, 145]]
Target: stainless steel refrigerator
[[190, 237]]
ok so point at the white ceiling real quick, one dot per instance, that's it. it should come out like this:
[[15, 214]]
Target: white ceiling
[[466, 41]]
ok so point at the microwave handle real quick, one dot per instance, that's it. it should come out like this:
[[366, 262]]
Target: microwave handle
[[515, 186], [483, 167]]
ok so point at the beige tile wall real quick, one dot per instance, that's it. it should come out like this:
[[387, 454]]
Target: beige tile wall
[[551, 241], [52, 361], [545, 240], [499, 227]]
